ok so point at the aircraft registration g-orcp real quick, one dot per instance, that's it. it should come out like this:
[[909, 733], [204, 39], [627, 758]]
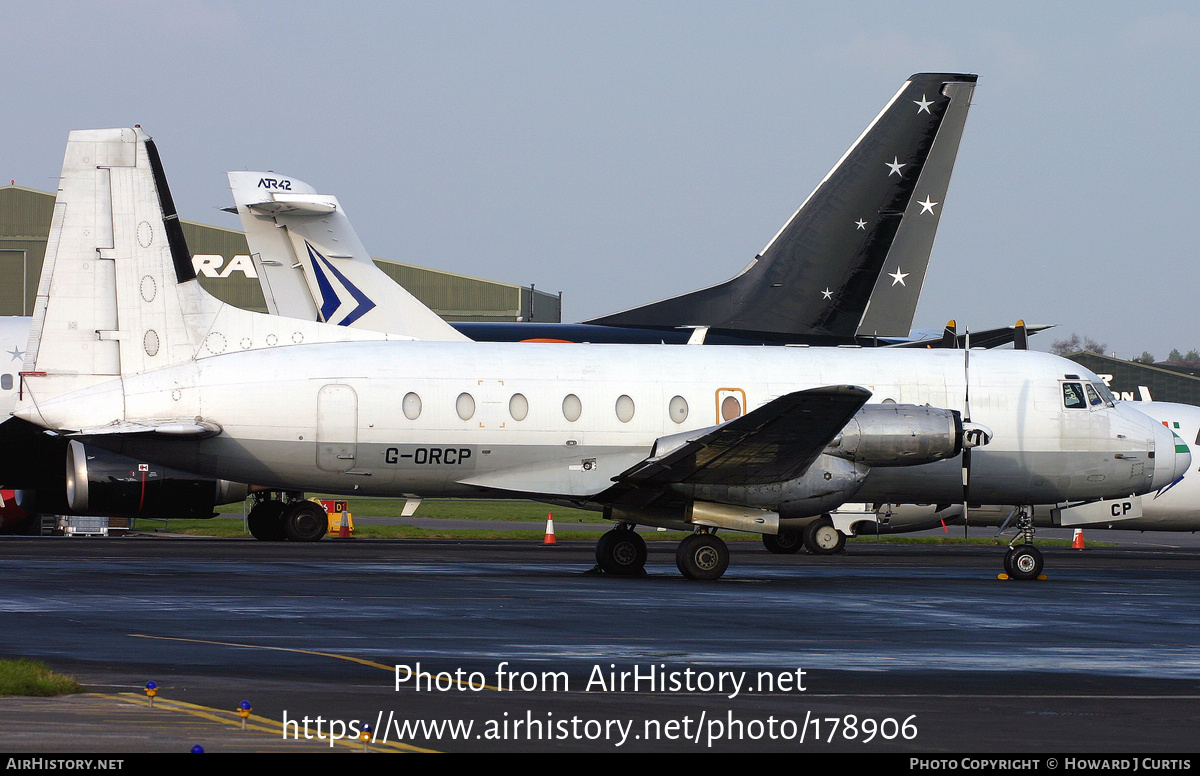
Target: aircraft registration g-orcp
[[129, 353]]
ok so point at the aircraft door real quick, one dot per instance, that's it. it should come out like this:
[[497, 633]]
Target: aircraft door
[[337, 428]]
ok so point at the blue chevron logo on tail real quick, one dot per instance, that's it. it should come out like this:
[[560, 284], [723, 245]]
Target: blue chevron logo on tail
[[331, 302]]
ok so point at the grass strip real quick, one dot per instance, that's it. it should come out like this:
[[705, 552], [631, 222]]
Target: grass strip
[[34, 678]]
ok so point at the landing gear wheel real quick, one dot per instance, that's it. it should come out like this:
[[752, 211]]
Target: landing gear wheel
[[1008, 569], [702, 556], [622, 552], [821, 538], [266, 521], [784, 542], [304, 521], [1026, 562]]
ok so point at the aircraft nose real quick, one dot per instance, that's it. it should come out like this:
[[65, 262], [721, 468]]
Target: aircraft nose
[[1172, 457]]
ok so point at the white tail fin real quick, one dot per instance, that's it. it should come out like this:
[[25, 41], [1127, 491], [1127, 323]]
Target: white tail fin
[[312, 265], [118, 295]]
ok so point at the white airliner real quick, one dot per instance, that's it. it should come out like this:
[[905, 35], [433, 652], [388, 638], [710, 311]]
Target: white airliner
[[129, 353]]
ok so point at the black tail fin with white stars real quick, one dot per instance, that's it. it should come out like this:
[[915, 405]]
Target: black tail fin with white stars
[[852, 259]]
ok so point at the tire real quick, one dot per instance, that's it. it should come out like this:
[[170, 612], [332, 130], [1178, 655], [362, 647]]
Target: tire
[[1026, 562], [1008, 569], [304, 521], [266, 521], [621, 552], [702, 557], [821, 538], [784, 542]]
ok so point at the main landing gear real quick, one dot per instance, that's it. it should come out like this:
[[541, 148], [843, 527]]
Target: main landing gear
[[622, 552], [276, 517], [1023, 561], [784, 542], [702, 556]]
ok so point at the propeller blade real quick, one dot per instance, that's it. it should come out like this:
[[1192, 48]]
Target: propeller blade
[[1020, 337], [966, 453], [949, 336]]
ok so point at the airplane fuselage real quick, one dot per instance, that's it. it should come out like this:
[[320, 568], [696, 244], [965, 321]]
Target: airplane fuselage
[[463, 419]]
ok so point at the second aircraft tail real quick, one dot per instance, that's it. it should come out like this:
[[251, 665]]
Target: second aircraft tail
[[863, 236]]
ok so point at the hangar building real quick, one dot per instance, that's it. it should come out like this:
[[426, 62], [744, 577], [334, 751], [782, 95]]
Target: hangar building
[[225, 270], [1130, 380]]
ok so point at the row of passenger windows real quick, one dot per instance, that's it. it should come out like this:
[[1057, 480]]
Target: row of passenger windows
[[518, 407]]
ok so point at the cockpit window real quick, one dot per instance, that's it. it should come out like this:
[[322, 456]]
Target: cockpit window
[[1073, 396], [1105, 394], [1093, 397]]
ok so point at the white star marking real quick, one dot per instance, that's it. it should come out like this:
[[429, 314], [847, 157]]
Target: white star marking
[[924, 105], [898, 276], [895, 165], [861, 224], [927, 206], [827, 293]]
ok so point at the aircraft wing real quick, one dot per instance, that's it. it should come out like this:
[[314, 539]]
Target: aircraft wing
[[773, 443], [986, 338]]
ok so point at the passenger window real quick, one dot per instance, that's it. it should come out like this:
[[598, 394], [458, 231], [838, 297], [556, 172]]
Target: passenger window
[[572, 407], [411, 406], [518, 407], [1093, 397], [6, 382], [624, 409], [678, 409], [1073, 396], [465, 406]]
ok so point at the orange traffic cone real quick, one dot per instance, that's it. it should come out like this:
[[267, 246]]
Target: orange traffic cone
[[1077, 542], [344, 528], [549, 529]]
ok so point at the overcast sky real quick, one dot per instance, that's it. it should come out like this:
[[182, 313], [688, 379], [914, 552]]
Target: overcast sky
[[623, 152]]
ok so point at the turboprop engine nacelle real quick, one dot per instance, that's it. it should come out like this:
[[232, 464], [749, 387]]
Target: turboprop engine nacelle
[[104, 483], [901, 435], [826, 485]]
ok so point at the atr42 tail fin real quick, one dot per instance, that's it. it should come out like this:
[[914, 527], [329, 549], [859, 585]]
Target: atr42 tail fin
[[118, 295], [312, 265], [868, 227]]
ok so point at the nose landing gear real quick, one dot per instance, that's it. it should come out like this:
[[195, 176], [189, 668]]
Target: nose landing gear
[[1023, 561]]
